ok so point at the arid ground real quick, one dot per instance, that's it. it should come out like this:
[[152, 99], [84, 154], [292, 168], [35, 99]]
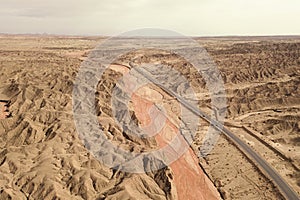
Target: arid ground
[[42, 156]]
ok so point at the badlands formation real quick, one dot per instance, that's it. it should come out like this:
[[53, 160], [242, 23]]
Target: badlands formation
[[42, 156]]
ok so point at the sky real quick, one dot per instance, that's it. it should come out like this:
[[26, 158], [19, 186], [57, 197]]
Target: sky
[[188, 17]]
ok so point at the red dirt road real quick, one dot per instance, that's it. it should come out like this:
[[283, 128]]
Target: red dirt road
[[190, 181]]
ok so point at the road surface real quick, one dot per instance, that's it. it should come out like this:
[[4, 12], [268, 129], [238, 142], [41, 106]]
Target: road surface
[[284, 188]]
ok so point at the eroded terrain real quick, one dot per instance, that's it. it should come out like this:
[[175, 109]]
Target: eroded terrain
[[43, 158]]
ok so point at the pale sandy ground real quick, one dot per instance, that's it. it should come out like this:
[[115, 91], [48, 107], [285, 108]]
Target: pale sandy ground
[[262, 82], [41, 156]]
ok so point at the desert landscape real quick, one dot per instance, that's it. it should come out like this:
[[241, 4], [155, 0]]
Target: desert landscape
[[43, 157]]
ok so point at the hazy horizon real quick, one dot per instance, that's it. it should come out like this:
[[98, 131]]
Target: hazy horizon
[[197, 18]]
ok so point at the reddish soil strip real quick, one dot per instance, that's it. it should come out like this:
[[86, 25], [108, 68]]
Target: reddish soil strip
[[190, 181]]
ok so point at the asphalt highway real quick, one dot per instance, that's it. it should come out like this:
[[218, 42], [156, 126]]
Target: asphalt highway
[[261, 163]]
